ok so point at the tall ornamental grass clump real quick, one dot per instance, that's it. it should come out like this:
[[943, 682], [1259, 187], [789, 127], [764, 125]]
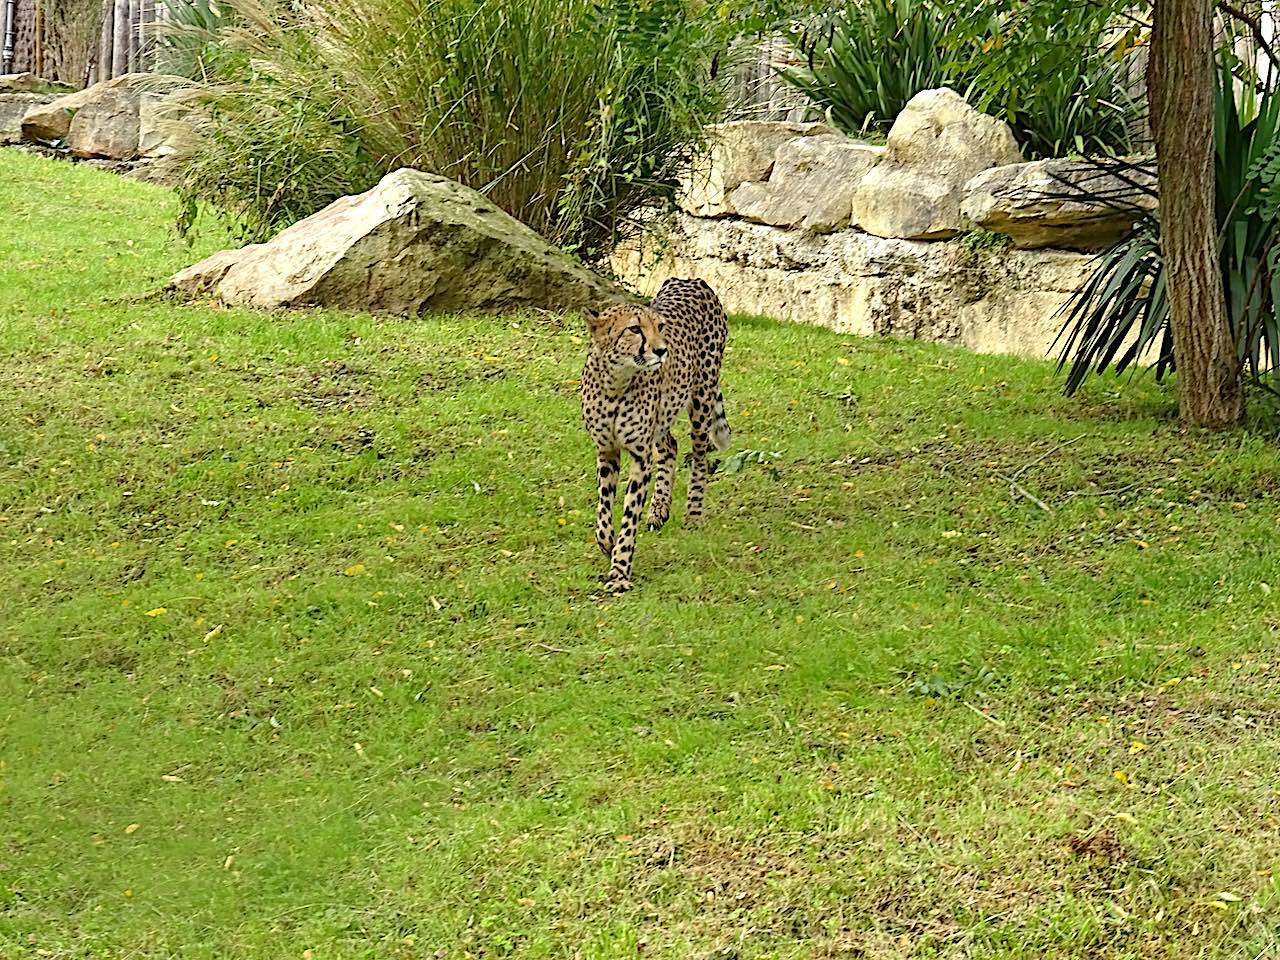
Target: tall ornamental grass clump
[[574, 116]]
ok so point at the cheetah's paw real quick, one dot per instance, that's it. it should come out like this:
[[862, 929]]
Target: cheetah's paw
[[616, 583]]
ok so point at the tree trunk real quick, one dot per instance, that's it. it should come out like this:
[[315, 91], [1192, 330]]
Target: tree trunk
[[1180, 95]]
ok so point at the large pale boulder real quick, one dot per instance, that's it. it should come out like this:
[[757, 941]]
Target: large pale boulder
[[415, 242], [937, 143], [811, 186], [106, 126], [1004, 302], [13, 107], [1033, 203], [740, 151]]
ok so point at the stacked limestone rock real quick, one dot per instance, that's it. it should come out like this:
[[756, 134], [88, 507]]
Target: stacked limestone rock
[[799, 222], [20, 92], [118, 120]]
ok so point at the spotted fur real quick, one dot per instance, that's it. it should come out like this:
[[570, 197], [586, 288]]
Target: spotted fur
[[646, 366]]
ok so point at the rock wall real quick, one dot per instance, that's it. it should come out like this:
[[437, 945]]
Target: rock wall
[[800, 223], [1002, 301]]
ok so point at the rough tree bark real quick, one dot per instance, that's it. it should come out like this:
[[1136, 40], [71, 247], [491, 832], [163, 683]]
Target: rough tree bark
[[1180, 95]]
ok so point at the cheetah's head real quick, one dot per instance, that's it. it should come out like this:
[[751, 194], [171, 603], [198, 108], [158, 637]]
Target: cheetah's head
[[628, 336]]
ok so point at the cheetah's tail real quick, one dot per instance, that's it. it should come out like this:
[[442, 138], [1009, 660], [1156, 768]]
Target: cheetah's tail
[[721, 435]]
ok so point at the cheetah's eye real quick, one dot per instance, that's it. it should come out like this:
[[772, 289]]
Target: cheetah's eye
[[635, 329]]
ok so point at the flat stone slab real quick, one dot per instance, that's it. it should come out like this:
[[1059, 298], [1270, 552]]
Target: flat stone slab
[[1032, 203]]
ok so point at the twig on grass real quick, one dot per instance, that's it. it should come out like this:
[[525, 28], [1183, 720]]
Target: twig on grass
[[984, 716], [1016, 489]]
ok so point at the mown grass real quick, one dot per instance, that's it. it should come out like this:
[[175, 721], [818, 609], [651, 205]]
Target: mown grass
[[303, 651]]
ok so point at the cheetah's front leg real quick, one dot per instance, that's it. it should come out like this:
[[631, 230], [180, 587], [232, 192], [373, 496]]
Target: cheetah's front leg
[[664, 469], [608, 472], [624, 550]]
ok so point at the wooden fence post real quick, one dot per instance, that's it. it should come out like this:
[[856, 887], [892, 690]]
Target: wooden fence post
[[120, 39], [103, 69]]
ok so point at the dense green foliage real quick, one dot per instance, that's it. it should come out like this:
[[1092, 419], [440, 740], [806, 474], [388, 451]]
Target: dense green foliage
[[1058, 71], [572, 115], [1059, 78], [1122, 314], [303, 651]]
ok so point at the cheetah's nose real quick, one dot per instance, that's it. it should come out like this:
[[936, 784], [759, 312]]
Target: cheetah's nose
[[659, 352]]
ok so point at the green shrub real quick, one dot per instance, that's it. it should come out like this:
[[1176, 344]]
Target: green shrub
[[1122, 313], [1061, 87], [573, 116]]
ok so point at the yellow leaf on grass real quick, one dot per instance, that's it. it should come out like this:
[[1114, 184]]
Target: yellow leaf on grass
[[132, 828], [1137, 746], [354, 570], [1121, 776], [158, 611]]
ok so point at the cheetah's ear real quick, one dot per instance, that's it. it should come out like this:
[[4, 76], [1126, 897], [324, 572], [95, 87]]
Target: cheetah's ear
[[592, 317]]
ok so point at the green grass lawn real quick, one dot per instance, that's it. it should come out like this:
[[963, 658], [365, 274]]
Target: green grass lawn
[[303, 651]]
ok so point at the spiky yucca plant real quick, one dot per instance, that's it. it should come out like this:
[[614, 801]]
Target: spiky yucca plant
[[1122, 313], [865, 62]]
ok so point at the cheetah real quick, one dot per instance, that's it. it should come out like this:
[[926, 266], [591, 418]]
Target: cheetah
[[646, 366]]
